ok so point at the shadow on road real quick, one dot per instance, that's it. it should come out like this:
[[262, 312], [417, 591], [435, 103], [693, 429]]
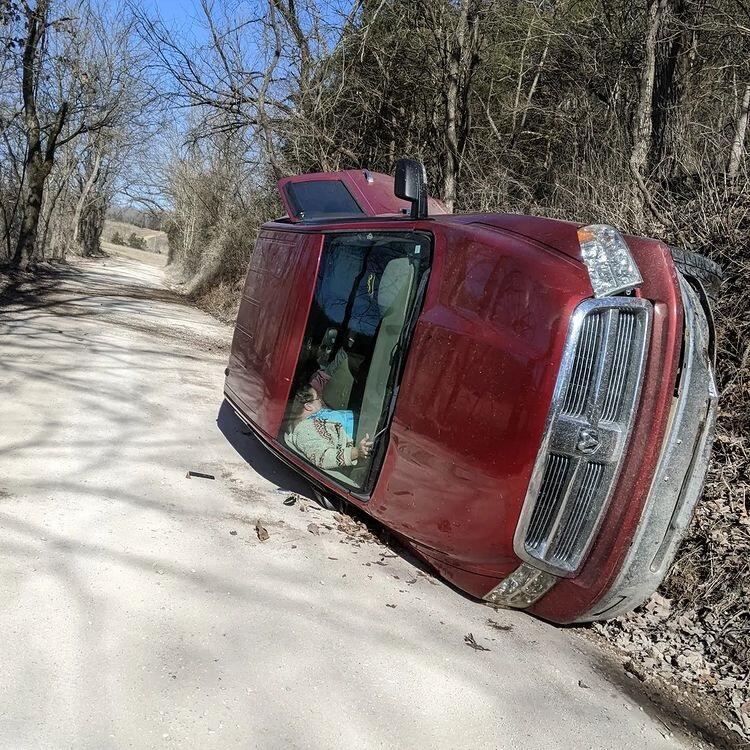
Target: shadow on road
[[270, 467], [260, 458]]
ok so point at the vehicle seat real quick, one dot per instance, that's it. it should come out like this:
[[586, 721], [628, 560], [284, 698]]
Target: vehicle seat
[[394, 295], [338, 390]]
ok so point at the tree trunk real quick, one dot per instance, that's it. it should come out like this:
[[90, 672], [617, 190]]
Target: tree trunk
[[642, 121], [81, 205], [37, 171], [461, 62], [50, 203], [39, 158], [91, 223], [519, 81], [534, 84], [674, 66], [740, 130]]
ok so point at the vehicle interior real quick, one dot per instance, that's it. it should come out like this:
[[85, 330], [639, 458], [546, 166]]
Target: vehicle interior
[[366, 300]]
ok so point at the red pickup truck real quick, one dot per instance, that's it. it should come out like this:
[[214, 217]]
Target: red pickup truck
[[527, 403]]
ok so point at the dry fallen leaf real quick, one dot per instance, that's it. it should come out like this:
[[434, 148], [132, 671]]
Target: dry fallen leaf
[[470, 641], [498, 625], [261, 530], [313, 529]]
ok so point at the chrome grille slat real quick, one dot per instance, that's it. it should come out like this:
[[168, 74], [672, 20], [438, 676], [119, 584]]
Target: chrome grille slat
[[590, 355], [620, 362], [580, 378], [579, 512], [550, 495], [587, 432]]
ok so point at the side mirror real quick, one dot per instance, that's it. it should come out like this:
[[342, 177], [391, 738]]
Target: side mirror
[[410, 184]]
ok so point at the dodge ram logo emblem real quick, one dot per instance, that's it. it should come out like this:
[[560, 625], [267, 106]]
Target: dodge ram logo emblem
[[588, 441]]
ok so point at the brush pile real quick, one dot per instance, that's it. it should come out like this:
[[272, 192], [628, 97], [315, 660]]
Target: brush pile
[[697, 629]]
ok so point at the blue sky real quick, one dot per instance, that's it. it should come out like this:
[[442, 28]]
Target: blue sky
[[173, 9], [184, 13]]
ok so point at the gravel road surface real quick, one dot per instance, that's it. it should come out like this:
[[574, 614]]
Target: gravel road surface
[[139, 608]]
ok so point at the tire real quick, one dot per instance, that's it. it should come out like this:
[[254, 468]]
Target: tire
[[327, 502], [701, 268]]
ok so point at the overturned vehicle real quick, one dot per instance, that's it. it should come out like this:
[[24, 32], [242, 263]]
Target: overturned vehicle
[[527, 403]]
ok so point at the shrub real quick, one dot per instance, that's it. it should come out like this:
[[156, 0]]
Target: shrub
[[139, 243], [117, 239]]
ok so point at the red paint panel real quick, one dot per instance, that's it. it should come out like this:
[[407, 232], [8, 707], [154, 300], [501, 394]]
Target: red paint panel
[[554, 234], [475, 395], [269, 329]]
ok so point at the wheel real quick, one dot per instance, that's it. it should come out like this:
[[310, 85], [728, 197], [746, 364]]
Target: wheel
[[326, 501], [701, 268]]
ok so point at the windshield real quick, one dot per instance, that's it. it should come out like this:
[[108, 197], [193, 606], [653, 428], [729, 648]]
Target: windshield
[[315, 199]]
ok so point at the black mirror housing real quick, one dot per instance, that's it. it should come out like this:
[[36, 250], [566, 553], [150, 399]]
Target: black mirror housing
[[410, 184]]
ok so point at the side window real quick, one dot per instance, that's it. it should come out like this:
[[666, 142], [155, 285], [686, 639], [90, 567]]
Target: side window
[[355, 339]]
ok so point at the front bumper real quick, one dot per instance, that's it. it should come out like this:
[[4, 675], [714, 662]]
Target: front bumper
[[680, 475]]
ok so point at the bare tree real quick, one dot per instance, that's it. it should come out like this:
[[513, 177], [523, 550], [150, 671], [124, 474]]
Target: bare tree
[[643, 116], [70, 85], [740, 129], [676, 53], [460, 44]]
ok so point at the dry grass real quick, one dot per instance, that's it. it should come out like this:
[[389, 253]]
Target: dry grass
[[222, 300], [156, 240]]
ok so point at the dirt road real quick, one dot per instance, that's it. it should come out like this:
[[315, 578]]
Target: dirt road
[[139, 608]]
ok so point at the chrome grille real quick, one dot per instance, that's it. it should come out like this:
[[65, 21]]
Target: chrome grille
[[623, 346], [587, 430], [578, 514]]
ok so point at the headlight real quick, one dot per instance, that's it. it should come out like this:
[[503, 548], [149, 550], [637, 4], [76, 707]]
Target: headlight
[[611, 266], [522, 587]]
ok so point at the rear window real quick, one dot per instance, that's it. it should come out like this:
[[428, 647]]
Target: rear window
[[321, 198]]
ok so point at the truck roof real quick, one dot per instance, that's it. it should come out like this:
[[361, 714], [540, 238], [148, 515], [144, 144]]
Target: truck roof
[[354, 194], [350, 193]]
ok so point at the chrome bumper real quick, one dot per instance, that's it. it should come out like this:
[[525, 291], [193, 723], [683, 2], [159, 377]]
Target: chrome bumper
[[680, 473]]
